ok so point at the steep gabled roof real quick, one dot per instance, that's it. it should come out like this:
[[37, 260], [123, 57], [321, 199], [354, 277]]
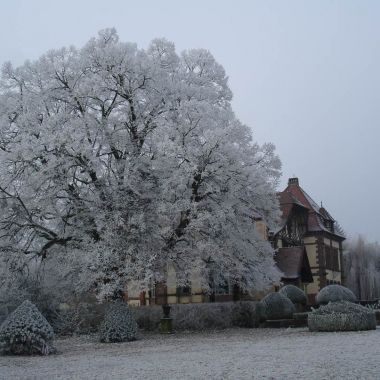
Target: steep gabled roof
[[317, 215], [287, 202]]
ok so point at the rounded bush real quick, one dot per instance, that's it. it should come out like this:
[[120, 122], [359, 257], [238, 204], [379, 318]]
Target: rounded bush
[[294, 293], [277, 306], [26, 331], [342, 316], [334, 293], [119, 324]]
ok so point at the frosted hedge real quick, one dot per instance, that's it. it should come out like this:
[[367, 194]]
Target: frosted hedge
[[342, 316]]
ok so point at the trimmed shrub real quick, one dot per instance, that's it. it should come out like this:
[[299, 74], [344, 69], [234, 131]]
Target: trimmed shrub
[[277, 306], [294, 293], [260, 312], [334, 293], [26, 331], [342, 316], [119, 324]]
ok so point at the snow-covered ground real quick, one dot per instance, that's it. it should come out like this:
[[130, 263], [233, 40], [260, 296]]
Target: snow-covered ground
[[232, 354]]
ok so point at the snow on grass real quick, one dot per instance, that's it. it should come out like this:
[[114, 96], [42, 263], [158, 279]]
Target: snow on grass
[[229, 354]]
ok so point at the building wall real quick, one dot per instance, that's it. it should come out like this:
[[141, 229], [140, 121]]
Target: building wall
[[311, 244], [173, 295], [262, 229], [317, 248], [334, 276]]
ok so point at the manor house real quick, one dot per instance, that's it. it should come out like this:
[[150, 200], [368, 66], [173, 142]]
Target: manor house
[[308, 242]]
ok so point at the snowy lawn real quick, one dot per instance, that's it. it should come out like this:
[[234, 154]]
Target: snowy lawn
[[230, 354]]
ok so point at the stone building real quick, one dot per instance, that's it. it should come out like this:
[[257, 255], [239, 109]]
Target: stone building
[[308, 242]]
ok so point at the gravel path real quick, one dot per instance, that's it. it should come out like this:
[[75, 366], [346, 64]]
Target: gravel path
[[231, 354]]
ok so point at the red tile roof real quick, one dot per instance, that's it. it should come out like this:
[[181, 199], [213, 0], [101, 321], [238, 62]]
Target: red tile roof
[[295, 195]]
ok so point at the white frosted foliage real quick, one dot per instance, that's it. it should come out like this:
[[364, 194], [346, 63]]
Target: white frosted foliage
[[124, 161], [26, 331], [119, 324], [342, 316]]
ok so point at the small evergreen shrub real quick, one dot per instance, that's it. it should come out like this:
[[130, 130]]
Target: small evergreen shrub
[[277, 306], [294, 293], [342, 316], [118, 325], [334, 293], [26, 331]]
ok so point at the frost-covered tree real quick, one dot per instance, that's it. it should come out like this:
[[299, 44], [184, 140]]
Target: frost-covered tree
[[362, 268], [122, 161]]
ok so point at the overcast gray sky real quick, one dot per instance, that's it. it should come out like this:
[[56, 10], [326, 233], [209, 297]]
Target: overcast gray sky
[[305, 76]]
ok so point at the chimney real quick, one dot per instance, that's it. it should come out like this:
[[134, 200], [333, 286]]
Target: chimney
[[293, 181]]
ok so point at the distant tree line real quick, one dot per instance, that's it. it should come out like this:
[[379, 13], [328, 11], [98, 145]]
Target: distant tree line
[[362, 268]]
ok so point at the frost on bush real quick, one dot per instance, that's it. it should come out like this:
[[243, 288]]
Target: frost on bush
[[200, 316], [334, 293], [294, 293], [342, 316], [277, 306], [244, 314], [119, 324], [26, 331]]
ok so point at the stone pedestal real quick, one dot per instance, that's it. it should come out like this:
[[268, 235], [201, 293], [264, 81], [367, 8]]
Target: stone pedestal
[[166, 325]]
